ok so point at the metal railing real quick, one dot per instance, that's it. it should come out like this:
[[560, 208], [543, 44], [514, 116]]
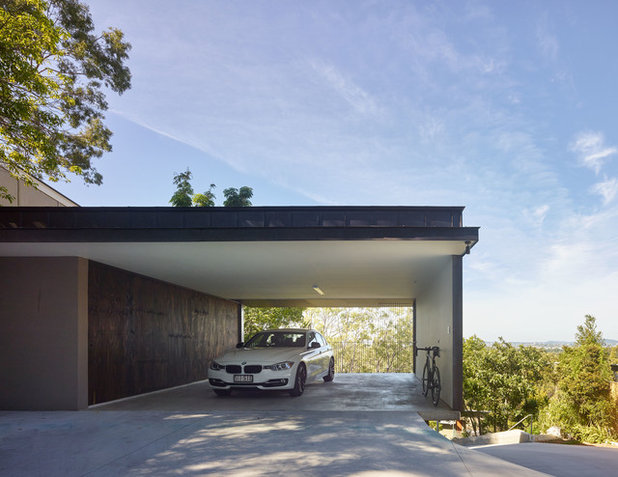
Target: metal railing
[[364, 357], [522, 420]]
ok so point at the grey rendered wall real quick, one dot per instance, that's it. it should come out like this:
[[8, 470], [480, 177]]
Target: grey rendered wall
[[439, 323], [43, 333]]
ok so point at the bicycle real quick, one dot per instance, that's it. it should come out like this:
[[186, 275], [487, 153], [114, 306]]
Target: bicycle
[[431, 374]]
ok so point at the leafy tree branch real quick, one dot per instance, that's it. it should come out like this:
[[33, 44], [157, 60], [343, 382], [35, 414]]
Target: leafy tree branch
[[53, 72]]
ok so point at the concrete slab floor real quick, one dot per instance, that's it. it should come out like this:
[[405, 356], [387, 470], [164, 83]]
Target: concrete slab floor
[[348, 392], [334, 434]]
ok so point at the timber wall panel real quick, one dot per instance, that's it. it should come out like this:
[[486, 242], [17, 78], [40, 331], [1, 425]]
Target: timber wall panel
[[145, 334]]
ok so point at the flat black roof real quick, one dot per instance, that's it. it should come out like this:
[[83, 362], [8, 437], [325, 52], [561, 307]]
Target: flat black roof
[[172, 224]]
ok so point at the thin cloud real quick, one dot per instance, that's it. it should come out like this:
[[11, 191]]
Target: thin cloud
[[537, 214], [591, 150], [606, 189], [355, 96], [547, 42], [476, 10], [431, 128]]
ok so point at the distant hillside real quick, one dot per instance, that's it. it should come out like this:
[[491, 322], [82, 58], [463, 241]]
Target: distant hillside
[[555, 344]]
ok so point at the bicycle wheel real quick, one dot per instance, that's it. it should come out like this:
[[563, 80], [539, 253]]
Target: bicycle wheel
[[426, 379], [436, 386]]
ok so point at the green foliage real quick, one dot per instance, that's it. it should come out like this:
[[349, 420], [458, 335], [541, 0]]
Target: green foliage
[[207, 199], [184, 192], [367, 340], [393, 341], [504, 380], [53, 68], [350, 332], [238, 197], [364, 339], [263, 318], [184, 196], [582, 405]]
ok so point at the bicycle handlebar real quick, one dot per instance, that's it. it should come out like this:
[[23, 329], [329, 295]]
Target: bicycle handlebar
[[428, 348]]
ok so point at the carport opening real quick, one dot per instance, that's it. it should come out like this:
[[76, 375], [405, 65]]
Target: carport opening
[[364, 340]]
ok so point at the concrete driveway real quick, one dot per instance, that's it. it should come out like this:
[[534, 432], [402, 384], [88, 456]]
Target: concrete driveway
[[559, 459], [331, 430]]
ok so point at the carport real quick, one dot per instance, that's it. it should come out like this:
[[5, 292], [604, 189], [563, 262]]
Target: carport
[[102, 303]]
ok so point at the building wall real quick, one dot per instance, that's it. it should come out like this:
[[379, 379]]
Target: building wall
[[43, 333], [27, 196], [439, 323], [145, 334]]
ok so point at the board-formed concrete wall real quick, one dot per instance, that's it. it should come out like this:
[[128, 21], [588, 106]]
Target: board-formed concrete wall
[[145, 334], [74, 332], [439, 323], [43, 333]]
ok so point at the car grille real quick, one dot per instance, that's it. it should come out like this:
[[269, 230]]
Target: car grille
[[249, 369], [253, 369]]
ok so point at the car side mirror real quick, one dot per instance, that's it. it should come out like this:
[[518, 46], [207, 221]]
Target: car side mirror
[[240, 345], [315, 344]]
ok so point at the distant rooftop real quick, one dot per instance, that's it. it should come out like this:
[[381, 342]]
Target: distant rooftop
[[41, 196]]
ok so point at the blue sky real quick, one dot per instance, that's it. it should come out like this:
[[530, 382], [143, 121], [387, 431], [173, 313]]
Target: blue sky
[[507, 108]]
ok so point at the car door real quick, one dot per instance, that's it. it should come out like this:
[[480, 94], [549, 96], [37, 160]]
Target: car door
[[312, 358], [324, 357]]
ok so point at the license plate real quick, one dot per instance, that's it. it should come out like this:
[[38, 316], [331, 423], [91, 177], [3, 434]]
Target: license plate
[[243, 378]]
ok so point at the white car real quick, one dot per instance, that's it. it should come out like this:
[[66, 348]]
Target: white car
[[274, 359]]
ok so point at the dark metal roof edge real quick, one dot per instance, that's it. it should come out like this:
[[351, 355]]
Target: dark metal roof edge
[[289, 208]]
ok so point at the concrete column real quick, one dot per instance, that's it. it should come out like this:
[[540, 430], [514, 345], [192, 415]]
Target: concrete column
[[457, 335], [43, 333], [439, 323], [241, 322]]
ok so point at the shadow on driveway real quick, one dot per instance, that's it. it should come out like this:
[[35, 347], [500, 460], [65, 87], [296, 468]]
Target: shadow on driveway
[[358, 425]]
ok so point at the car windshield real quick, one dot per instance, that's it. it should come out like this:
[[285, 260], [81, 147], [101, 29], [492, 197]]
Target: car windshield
[[279, 339]]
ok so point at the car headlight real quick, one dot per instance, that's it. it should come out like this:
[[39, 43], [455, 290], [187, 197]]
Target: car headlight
[[216, 366], [280, 366]]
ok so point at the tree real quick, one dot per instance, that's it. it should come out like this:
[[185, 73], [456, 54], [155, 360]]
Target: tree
[[184, 192], [207, 199], [184, 197], [238, 197], [502, 379], [263, 318], [475, 386], [392, 340], [53, 69], [367, 340], [582, 405]]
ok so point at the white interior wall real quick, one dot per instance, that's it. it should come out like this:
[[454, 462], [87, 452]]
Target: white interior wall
[[438, 323]]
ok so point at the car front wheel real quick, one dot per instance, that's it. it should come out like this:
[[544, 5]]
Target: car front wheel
[[299, 381]]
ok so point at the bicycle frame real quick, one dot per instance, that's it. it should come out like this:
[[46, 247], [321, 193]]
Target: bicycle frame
[[431, 374]]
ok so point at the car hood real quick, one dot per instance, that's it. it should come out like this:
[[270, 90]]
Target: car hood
[[261, 355]]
